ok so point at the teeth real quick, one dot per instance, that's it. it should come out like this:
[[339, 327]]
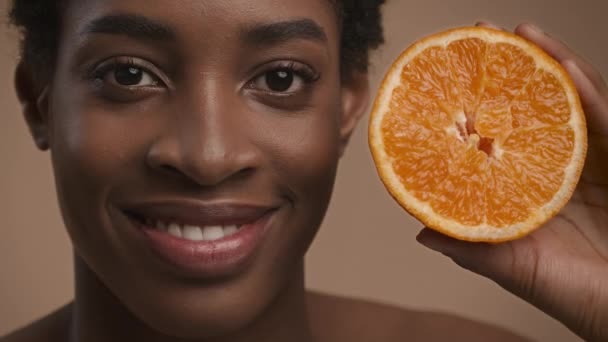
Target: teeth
[[175, 230], [192, 233], [229, 230], [213, 233]]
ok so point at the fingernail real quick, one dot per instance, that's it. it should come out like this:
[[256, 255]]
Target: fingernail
[[536, 29]]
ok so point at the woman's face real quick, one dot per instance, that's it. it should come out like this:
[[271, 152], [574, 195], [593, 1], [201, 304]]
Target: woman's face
[[194, 146]]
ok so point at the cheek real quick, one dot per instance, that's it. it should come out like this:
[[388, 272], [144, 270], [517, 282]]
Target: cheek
[[93, 144], [306, 152], [92, 150], [87, 157], [96, 145], [305, 158]]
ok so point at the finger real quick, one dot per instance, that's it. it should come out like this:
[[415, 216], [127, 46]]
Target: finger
[[551, 286], [495, 261], [594, 104], [485, 23], [561, 52]]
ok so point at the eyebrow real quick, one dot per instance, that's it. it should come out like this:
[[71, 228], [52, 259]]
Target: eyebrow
[[141, 27], [131, 25], [279, 32]]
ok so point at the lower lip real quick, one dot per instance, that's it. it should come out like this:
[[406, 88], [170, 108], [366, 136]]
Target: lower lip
[[210, 259]]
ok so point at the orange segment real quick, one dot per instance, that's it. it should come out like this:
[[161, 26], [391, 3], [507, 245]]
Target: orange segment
[[461, 195], [431, 76], [505, 201], [540, 156], [466, 60], [544, 101], [508, 69], [479, 134]]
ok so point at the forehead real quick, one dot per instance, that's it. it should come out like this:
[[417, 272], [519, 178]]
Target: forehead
[[206, 18]]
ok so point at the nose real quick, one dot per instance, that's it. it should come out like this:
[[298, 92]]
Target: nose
[[208, 139]]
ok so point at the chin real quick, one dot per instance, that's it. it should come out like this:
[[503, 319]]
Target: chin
[[201, 314], [177, 304]]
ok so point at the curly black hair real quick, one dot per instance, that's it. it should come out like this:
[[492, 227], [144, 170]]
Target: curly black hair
[[39, 22]]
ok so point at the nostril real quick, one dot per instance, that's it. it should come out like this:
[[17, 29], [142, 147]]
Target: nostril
[[171, 169], [206, 176], [244, 173]]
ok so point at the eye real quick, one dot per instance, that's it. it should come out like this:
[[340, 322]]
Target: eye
[[280, 80], [126, 72], [285, 78], [131, 76]]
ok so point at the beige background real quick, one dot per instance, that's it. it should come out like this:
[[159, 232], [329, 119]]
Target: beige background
[[366, 247]]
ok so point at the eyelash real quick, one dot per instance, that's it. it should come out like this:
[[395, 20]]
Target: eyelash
[[303, 76], [100, 71], [307, 74]]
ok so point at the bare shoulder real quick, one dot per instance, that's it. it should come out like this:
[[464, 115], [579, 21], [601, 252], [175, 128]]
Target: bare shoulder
[[336, 318], [52, 327]]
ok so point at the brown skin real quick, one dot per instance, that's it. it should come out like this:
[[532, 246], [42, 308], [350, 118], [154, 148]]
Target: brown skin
[[202, 126], [332, 319]]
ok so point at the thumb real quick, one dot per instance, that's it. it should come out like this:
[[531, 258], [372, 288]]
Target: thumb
[[511, 266]]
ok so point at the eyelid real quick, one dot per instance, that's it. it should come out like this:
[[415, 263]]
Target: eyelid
[[99, 70], [308, 74], [303, 70]]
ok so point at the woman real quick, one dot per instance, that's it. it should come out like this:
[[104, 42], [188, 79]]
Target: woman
[[194, 146]]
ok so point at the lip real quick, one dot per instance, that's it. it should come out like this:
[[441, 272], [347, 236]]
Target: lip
[[204, 259]]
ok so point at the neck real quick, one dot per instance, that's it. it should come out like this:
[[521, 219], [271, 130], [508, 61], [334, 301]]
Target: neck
[[97, 315]]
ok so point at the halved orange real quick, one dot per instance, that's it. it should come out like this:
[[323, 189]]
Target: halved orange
[[479, 134]]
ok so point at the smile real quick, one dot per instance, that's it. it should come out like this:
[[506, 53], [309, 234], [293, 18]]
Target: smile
[[202, 240], [192, 232]]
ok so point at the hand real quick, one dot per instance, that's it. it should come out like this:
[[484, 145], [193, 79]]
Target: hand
[[562, 268]]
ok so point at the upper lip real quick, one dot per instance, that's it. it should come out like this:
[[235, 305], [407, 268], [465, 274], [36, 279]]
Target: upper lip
[[198, 214]]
